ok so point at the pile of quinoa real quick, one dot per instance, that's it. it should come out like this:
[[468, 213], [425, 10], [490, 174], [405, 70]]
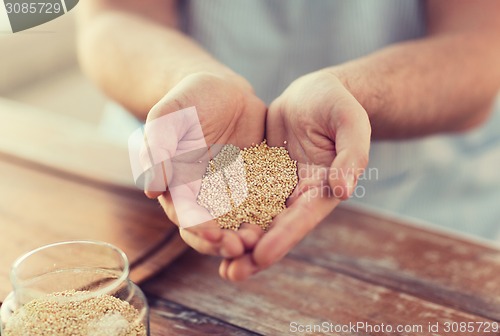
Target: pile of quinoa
[[100, 316], [248, 186]]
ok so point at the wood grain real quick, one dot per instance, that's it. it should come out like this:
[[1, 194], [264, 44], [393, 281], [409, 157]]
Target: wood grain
[[60, 179], [293, 291], [62, 143], [438, 267], [171, 319], [158, 258], [38, 208]]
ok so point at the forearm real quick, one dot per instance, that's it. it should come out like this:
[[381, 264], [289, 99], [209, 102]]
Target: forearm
[[136, 60], [441, 83]]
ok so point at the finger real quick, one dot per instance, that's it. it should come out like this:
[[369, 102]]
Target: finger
[[198, 243], [310, 176], [189, 213], [223, 268], [208, 230], [352, 143], [205, 237], [250, 235], [290, 226], [241, 268], [187, 166], [182, 208], [230, 245]]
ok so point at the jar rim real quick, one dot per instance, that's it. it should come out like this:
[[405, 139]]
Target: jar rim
[[104, 290]]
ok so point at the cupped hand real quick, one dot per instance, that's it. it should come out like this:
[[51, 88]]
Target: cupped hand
[[228, 113], [328, 132]]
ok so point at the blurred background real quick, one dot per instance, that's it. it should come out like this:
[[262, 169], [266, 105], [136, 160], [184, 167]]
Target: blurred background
[[38, 67]]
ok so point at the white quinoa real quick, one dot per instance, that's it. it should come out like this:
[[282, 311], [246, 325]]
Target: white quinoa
[[248, 186], [104, 316]]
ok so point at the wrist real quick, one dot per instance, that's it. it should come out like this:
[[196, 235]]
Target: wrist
[[361, 86]]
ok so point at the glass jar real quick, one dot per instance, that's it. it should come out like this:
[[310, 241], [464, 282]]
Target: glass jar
[[74, 288]]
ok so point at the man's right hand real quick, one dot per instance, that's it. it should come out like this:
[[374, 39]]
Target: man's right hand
[[229, 113]]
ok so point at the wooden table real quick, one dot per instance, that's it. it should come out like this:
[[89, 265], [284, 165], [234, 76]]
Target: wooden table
[[59, 180]]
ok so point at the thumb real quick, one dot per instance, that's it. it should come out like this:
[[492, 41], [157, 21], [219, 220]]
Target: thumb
[[352, 145]]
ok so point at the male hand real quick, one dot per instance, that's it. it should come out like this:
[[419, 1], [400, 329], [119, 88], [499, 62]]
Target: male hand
[[229, 113], [328, 132]]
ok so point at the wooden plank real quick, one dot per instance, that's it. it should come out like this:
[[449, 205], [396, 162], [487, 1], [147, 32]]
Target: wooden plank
[[295, 291], [62, 143], [436, 266], [157, 259], [37, 208], [171, 319]]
